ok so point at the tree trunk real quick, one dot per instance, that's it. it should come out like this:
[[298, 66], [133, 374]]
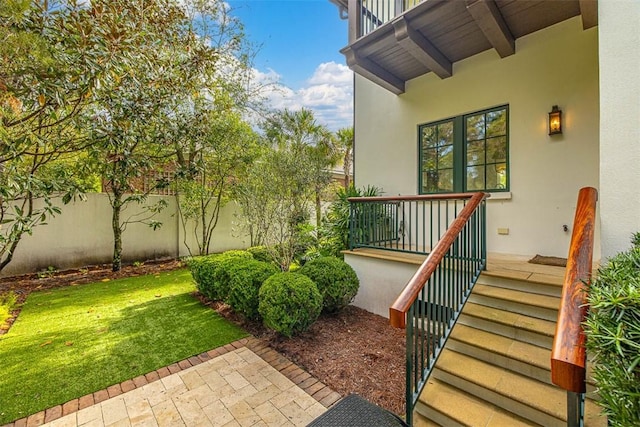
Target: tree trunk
[[318, 209], [117, 231]]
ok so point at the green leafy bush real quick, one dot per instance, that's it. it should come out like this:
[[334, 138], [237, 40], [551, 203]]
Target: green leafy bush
[[613, 336], [289, 303], [210, 272], [202, 269], [262, 253], [337, 282], [222, 274], [334, 233], [246, 278]]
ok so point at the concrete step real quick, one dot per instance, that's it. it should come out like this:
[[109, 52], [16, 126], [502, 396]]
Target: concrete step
[[517, 356], [508, 324], [534, 305], [532, 400], [534, 286], [441, 404]]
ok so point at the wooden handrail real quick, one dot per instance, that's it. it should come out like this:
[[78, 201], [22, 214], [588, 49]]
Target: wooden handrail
[[398, 311], [568, 356], [447, 196]]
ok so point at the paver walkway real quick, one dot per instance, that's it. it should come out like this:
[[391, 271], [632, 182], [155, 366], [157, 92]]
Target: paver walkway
[[243, 384]]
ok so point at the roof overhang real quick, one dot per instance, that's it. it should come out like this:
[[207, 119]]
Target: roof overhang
[[435, 34]]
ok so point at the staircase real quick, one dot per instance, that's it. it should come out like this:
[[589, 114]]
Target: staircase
[[495, 368]]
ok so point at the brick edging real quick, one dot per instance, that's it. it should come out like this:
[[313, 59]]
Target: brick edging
[[316, 389]]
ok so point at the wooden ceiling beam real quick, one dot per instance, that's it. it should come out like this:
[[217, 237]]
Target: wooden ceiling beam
[[589, 13], [421, 48], [371, 71], [495, 29]]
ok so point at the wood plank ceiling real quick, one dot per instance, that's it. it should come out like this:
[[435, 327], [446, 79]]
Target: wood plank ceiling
[[433, 35]]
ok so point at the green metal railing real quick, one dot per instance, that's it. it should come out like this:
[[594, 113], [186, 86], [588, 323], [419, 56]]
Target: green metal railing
[[405, 223], [375, 13], [431, 302]]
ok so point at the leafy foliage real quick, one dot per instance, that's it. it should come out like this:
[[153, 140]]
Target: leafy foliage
[[211, 272], [613, 336], [289, 303], [261, 253], [246, 277], [334, 236], [336, 280]]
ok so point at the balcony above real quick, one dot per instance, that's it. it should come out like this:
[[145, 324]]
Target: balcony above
[[393, 41]]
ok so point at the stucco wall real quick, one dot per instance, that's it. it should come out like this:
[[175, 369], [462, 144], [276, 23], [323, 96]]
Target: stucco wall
[[82, 235], [619, 42], [555, 66]]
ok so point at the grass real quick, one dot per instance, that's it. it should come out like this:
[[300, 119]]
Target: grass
[[72, 341]]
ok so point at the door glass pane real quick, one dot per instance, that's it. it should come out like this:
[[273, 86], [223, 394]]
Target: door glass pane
[[497, 149], [497, 176], [445, 133], [429, 136], [475, 153], [475, 178], [497, 123], [445, 157], [445, 180], [475, 127]]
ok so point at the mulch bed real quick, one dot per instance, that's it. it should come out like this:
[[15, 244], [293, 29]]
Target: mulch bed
[[353, 351]]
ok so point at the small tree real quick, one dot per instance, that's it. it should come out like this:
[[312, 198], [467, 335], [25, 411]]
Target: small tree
[[221, 148]]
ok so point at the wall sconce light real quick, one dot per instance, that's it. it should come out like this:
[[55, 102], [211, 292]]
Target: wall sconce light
[[555, 121]]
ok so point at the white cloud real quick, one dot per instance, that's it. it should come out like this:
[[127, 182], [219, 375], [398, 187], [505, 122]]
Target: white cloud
[[328, 92]]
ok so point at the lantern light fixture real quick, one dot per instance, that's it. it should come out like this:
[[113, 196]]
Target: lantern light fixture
[[555, 121]]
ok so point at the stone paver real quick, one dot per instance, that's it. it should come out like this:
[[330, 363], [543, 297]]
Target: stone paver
[[232, 386]]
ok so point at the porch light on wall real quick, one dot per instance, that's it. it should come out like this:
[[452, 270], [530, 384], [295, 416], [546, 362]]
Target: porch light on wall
[[555, 121]]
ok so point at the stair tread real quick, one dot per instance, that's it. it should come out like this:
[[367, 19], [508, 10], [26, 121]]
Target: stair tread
[[522, 297], [449, 400], [543, 397], [521, 321], [514, 349], [535, 394]]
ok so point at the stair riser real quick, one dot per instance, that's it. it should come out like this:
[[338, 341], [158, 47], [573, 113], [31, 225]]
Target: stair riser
[[434, 417], [517, 366], [499, 400], [515, 307], [521, 285], [530, 337]]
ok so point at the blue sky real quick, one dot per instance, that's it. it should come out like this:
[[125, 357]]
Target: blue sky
[[298, 44]]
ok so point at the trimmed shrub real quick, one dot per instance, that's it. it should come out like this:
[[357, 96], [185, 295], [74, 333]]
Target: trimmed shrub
[[207, 271], [202, 269], [261, 253], [221, 276], [289, 303], [613, 336], [337, 282], [246, 278]]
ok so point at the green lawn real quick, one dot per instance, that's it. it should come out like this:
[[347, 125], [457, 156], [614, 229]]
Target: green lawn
[[73, 341]]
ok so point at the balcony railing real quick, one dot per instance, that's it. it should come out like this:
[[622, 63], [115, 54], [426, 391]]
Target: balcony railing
[[373, 13], [405, 223]]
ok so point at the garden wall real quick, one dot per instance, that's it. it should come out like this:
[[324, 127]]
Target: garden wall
[[82, 236]]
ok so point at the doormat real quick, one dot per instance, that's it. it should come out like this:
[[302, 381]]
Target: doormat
[[549, 260]]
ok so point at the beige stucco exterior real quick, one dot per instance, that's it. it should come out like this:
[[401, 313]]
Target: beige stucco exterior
[[554, 66], [82, 235], [619, 44]]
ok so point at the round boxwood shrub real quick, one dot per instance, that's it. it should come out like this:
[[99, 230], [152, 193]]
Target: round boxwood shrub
[[206, 272], [225, 262], [289, 303], [246, 278], [337, 282], [262, 253], [202, 269]]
